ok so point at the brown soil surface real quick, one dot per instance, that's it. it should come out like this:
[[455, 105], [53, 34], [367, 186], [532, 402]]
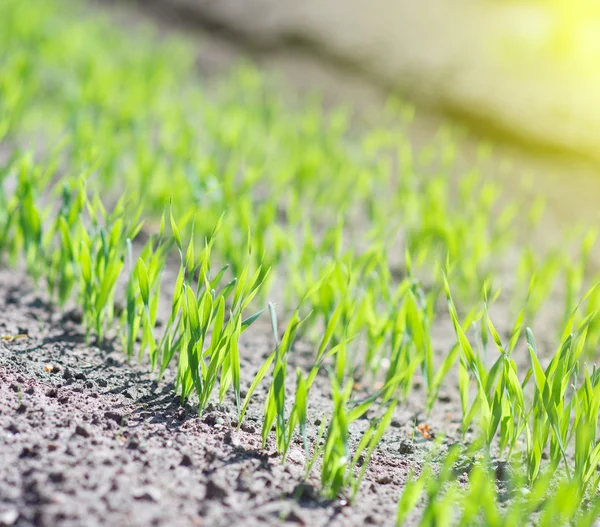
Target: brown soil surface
[[87, 439]]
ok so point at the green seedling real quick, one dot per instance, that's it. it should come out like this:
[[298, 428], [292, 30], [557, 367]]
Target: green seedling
[[275, 405], [339, 466]]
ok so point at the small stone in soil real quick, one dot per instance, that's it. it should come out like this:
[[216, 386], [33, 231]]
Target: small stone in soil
[[8, 515], [146, 494], [51, 392]]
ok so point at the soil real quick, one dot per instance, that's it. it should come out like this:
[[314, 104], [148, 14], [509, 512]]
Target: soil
[[87, 439]]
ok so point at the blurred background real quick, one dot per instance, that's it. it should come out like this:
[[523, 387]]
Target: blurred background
[[528, 69], [521, 75]]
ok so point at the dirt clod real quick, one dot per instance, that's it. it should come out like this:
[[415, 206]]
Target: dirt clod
[[56, 477], [244, 481], [406, 447], [81, 431], [304, 492], [214, 418], [444, 398], [114, 416], [29, 453], [249, 428], [295, 517], [186, 461], [12, 428], [133, 444], [74, 316], [215, 491]]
